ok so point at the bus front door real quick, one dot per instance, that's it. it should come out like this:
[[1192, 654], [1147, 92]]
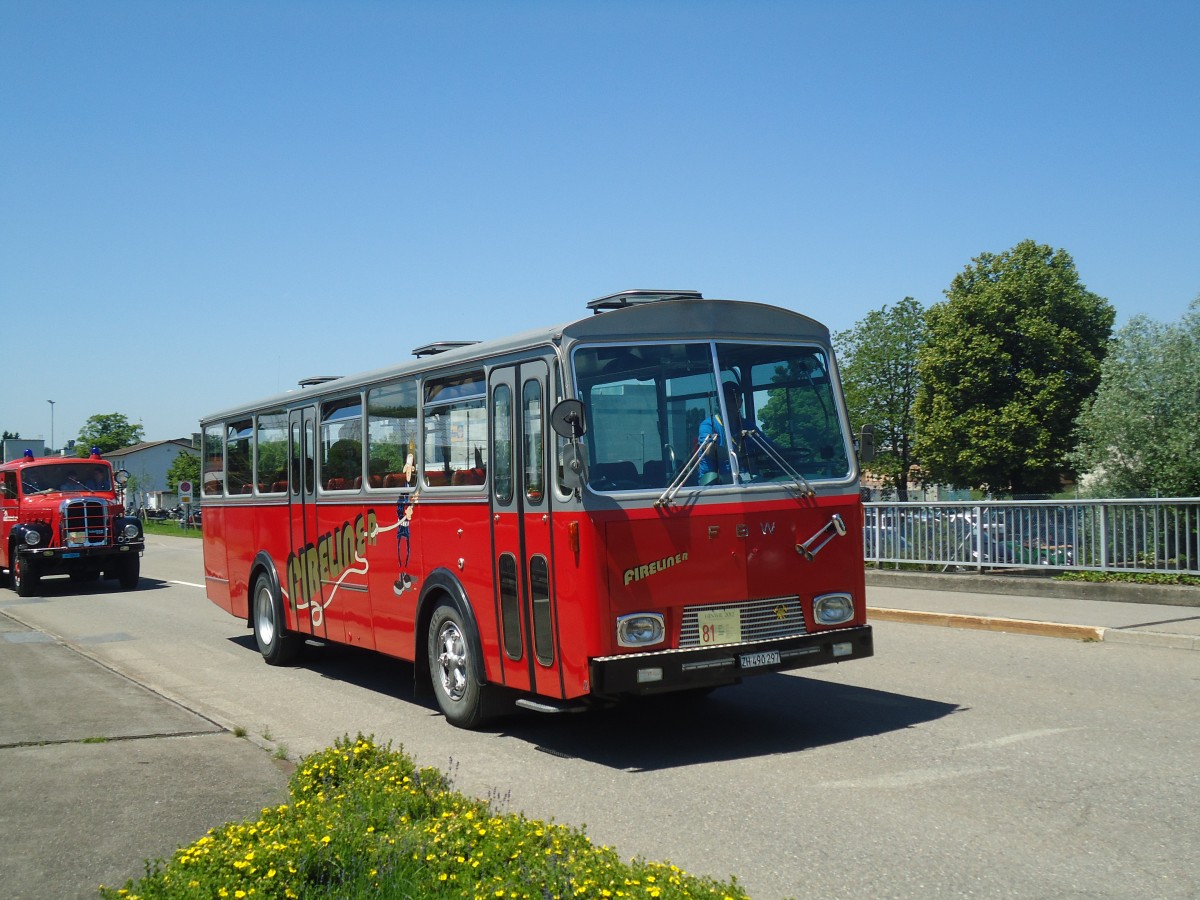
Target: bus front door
[[306, 594], [521, 533]]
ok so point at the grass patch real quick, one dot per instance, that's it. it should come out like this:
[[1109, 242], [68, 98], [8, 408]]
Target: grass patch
[[169, 528], [1168, 578], [364, 821]]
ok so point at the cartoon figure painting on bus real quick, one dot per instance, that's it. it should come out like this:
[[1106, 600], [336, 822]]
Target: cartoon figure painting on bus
[[406, 505]]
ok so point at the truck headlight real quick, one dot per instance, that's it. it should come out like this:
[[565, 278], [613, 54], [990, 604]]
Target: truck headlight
[[640, 629], [132, 531], [833, 609], [32, 537]]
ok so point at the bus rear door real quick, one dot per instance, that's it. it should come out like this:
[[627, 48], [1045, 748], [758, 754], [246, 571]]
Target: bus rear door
[[307, 593]]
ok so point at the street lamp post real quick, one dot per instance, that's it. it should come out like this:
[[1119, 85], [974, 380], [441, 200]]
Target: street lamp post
[[51, 402]]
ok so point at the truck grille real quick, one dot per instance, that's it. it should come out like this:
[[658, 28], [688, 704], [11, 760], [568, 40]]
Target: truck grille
[[778, 617], [84, 523]]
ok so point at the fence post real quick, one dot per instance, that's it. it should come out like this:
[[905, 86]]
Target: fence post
[[1103, 536]]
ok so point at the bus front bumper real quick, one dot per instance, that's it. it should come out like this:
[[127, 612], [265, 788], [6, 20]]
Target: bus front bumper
[[671, 670]]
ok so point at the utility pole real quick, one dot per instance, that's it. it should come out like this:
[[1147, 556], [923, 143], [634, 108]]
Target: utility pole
[[51, 402]]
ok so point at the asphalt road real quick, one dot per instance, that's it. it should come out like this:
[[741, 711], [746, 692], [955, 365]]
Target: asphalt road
[[954, 763]]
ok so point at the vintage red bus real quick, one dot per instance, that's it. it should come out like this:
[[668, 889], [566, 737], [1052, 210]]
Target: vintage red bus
[[557, 518]]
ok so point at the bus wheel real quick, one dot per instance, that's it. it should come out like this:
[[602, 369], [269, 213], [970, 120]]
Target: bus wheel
[[24, 576], [458, 691], [276, 646]]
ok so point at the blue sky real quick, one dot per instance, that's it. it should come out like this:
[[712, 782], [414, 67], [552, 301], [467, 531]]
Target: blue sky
[[203, 202]]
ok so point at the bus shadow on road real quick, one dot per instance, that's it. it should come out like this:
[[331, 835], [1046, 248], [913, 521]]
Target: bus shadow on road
[[770, 715]]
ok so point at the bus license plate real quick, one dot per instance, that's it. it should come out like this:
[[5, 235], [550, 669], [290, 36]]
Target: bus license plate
[[753, 660]]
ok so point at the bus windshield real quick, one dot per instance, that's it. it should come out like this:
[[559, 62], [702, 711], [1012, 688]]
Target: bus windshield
[[740, 413]]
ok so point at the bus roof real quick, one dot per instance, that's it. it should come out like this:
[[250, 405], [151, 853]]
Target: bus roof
[[670, 314]]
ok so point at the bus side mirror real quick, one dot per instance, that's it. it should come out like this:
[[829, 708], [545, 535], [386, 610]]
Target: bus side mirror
[[866, 444], [566, 419]]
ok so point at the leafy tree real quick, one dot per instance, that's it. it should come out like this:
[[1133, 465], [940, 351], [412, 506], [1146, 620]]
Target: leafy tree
[[108, 431], [1013, 354], [1141, 434], [10, 436], [185, 467], [878, 361]]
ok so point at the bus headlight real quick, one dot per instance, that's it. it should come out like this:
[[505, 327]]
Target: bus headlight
[[833, 609], [640, 629]]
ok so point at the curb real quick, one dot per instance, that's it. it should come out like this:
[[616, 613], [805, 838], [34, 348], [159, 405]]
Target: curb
[[1040, 629], [988, 623]]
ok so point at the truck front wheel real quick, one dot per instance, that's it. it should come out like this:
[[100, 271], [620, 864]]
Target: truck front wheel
[[24, 576], [128, 572]]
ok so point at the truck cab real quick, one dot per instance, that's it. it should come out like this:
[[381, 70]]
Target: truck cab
[[66, 516]]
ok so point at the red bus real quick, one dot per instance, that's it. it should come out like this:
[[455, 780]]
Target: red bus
[[661, 496]]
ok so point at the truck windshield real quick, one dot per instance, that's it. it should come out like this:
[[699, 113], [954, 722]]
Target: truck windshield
[[78, 477], [740, 413]]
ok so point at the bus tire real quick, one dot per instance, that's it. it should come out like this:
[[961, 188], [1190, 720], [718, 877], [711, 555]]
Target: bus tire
[[24, 576], [459, 693], [277, 647]]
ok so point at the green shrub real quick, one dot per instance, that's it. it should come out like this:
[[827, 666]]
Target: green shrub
[[364, 821]]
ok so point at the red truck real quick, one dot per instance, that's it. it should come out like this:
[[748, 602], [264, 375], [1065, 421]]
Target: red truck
[[66, 516]]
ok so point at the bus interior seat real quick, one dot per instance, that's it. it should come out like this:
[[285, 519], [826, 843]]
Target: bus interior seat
[[654, 473], [622, 472]]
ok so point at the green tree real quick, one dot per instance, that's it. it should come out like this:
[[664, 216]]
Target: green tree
[[108, 431], [1013, 354], [878, 362], [186, 467], [1140, 436]]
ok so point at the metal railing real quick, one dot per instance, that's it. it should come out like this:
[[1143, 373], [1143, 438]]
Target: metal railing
[[1160, 535]]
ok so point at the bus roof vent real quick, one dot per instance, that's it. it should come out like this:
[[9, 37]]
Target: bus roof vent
[[633, 298], [441, 347], [314, 380]]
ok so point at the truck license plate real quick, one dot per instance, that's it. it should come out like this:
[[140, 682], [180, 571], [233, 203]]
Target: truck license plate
[[753, 660]]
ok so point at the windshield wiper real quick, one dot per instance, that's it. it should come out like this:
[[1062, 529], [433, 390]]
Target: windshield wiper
[[668, 496], [798, 480]]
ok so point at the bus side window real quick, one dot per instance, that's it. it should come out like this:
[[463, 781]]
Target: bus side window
[[341, 444], [455, 429], [392, 435]]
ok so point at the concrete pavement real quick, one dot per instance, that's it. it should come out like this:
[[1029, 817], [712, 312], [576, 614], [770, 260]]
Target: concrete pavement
[[1077, 611], [99, 773]]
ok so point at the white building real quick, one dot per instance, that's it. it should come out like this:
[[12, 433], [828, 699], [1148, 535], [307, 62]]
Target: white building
[[147, 464]]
